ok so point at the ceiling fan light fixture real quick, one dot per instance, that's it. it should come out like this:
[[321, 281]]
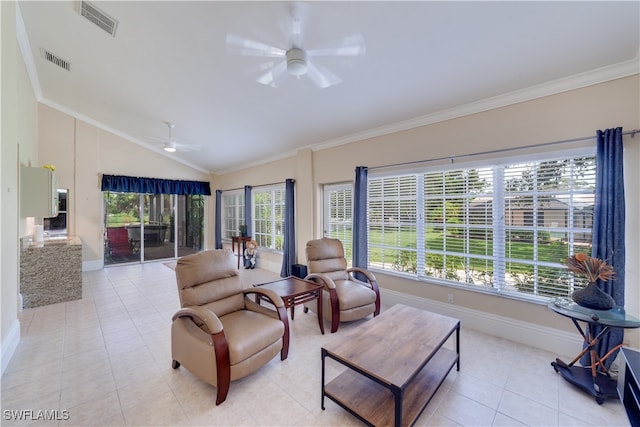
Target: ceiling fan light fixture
[[170, 147], [296, 61]]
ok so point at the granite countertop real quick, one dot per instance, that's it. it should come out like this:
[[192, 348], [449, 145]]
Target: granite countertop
[[50, 271]]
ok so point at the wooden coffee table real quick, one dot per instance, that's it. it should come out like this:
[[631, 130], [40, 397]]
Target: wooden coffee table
[[295, 291], [400, 351]]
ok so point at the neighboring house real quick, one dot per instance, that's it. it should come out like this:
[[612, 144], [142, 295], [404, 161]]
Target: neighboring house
[[551, 213]]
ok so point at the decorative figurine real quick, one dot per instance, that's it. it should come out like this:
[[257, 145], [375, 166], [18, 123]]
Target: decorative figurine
[[250, 252]]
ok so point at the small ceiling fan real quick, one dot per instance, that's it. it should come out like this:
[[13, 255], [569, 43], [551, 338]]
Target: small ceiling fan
[[296, 60], [171, 146]]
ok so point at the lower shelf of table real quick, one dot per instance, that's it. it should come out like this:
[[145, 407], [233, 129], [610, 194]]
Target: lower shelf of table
[[582, 378], [374, 403]]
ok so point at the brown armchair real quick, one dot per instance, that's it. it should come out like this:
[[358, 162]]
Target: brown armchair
[[221, 334], [345, 298]]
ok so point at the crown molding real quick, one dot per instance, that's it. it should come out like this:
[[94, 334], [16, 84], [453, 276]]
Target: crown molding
[[27, 56], [283, 155], [116, 132], [576, 81]]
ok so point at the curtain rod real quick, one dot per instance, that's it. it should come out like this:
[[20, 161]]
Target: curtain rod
[[255, 186], [502, 150]]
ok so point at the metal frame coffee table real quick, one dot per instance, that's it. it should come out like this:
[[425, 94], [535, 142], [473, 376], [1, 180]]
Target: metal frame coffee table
[[396, 362]]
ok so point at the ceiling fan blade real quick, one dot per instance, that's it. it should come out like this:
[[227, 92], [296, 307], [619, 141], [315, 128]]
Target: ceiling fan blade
[[350, 46], [321, 76], [260, 68], [243, 46], [274, 76]]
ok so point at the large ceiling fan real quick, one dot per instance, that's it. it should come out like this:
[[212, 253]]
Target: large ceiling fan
[[296, 60], [170, 145]]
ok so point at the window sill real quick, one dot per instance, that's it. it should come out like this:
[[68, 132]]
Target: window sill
[[466, 287]]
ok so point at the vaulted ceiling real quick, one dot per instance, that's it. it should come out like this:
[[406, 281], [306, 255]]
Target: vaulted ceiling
[[171, 61]]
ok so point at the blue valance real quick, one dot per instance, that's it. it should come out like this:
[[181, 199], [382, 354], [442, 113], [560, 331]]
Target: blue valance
[[131, 184]]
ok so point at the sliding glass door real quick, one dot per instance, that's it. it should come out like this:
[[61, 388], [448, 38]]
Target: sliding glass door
[[159, 226], [121, 242], [190, 225], [146, 227]]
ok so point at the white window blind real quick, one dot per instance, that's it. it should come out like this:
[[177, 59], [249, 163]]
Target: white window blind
[[232, 213], [338, 215], [505, 227], [268, 217]]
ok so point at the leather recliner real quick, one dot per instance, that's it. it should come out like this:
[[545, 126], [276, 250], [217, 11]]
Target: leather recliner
[[221, 334], [345, 298]]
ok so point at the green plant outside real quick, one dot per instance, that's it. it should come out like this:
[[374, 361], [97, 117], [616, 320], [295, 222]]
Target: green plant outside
[[405, 260], [119, 220], [550, 251]]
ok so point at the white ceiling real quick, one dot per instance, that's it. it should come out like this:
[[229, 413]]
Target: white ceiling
[[169, 62]]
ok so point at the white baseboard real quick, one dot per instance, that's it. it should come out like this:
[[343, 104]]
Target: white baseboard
[[10, 343], [268, 265], [555, 341], [96, 264]]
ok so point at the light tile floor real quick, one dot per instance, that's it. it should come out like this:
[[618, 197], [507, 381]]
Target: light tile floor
[[105, 360]]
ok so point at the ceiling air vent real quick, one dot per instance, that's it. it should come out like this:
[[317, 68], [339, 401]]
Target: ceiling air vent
[[98, 17], [54, 59]]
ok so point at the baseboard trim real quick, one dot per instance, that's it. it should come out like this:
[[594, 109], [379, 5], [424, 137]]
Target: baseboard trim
[[10, 344], [268, 265], [558, 342], [97, 264]]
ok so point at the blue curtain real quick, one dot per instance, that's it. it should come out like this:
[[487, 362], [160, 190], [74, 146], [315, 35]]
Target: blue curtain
[[608, 227], [131, 184], [247, 209], [360, 241], [289, 249], [218, 226]]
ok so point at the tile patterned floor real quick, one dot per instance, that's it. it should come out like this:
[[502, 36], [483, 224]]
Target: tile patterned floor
[[105, 361]]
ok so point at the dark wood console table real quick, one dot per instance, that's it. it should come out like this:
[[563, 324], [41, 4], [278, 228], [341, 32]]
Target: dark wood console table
[[295, 291], [595, 378], [241, 241]]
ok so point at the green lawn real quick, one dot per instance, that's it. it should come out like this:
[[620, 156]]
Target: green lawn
[[118, 220], [548, 250]]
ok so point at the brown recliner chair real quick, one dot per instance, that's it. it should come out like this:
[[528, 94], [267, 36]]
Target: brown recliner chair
[[345, 298], [221, 334]]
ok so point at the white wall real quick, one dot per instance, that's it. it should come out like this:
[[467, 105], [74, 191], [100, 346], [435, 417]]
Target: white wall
[[18, 130]]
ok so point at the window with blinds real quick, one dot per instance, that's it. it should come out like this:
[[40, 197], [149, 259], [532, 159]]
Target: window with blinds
[[505, 227], [268, 217], [338, 215], [232, 213]]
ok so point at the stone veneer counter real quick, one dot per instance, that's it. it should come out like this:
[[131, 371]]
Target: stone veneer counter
[[50, 272]]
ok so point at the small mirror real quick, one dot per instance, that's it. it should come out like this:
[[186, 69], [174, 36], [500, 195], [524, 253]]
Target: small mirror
[[57, 225]]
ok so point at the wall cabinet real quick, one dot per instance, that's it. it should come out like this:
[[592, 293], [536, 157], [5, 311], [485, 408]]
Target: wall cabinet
[[38, 192]]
